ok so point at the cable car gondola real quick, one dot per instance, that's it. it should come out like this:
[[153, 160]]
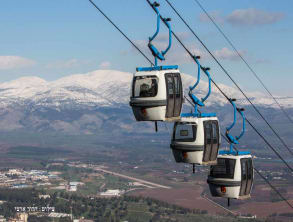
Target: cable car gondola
[[157, 93], [196, 140], [233, 175], [196, 137]]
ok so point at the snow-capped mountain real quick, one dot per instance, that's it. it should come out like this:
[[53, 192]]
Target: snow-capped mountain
[[87, 103], [103, 88]]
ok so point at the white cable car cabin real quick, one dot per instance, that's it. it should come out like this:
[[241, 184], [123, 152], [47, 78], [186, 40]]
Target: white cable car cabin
[[196, 140], [157, 94], [232, 177]]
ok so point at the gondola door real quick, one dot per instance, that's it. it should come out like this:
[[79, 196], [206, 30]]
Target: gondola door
[[208, 143], [215, 140], [246, 176], [178, 94], [211, 132], [174, 94]]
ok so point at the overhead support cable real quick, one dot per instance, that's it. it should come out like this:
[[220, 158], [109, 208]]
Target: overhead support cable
[[244, 60], [132, 43], [226, 72], [228, 98]]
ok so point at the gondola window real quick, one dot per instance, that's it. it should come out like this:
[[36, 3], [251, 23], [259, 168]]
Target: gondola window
[[145, 86]]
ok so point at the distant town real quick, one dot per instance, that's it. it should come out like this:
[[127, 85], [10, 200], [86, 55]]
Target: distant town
[[88, 180]]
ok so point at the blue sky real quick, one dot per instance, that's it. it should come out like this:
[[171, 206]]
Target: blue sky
[[55, 38]]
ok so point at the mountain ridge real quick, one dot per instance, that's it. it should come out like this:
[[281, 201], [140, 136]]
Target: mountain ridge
[[98, 101], [106, 88]]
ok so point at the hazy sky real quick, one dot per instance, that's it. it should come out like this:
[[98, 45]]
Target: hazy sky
[[55, 38]]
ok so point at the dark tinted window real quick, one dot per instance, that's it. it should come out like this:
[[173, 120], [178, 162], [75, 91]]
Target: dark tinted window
[[214, 130], [243, 170], [170, 86], [177, 85], [207, 131], [185, 132], [247, 169], [250, 169], [224, 168], [145, 86]]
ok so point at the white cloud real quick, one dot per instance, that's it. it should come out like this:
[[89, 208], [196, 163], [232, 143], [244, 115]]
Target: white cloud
[[228, 54], [15, 62], [216, 16], [177, 55], [67, 64], [263, 61], [164, 37], [105, 65], [253, 17], [223, 53], [244, 17]]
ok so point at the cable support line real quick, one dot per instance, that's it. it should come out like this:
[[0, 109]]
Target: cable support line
[[265, 179], [132, 43], [244, 60], [272, 148], [275, 189], [226, 72], [191, 103], [204, 70]]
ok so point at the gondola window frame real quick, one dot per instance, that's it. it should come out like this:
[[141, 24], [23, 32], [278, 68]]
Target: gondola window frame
[[248, 181], [228, 162], [175, 98], [194, 132], [211, 138], [145, 77]]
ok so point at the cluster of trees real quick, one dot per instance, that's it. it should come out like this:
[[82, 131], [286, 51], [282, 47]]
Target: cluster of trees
[[99, 209]]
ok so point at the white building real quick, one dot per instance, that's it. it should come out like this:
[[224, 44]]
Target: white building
[[111, 193], [72, 188], [76, 183], [45, 196]]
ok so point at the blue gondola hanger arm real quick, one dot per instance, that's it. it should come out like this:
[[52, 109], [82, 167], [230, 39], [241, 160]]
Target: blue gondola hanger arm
[[196, 58], [206, 70], [243, 123], [155, 52], [202, 100], [194, 99], [234, 115], [167, 20], [231, 138], [155, 5]]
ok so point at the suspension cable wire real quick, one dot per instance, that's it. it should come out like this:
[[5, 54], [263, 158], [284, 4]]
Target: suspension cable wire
[[274, 188], [226, 72], [213, 82], [191, 103], [185, 97], [224, 94], [243, 59], [265, 179], [132, 43]]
